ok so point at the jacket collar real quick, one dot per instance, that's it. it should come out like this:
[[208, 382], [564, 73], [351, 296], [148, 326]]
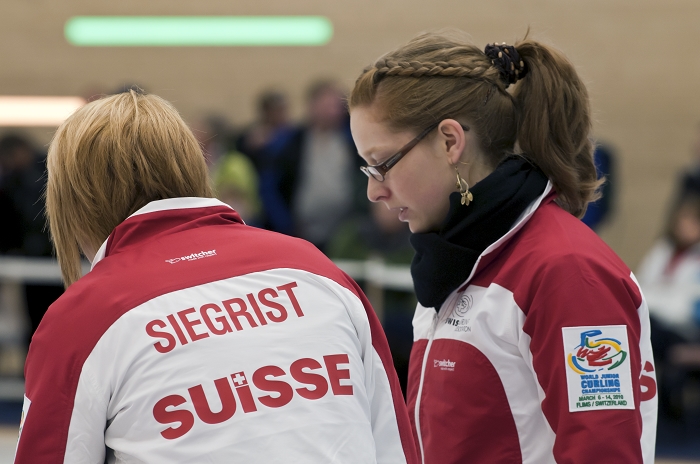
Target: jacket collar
[[492, 250], [158, 206]]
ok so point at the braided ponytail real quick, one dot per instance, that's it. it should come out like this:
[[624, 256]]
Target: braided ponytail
[[555, 124]]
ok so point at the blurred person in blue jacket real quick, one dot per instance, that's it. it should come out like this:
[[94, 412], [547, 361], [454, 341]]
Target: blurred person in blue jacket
[[270, 131], [599, 211], [305, 185]]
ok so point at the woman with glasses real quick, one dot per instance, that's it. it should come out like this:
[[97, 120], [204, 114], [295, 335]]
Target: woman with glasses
[[531, 335]]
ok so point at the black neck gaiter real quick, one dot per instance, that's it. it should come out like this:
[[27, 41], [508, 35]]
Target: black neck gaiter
[[444, 259]]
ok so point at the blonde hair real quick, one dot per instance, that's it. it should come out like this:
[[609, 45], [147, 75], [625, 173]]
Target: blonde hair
[[434, 77], [110, 158]]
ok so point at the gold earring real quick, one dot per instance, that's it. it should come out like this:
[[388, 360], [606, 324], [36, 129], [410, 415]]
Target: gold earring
[[463, 187]]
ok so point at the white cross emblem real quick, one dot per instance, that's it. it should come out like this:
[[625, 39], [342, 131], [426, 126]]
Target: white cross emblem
[[239, 379]]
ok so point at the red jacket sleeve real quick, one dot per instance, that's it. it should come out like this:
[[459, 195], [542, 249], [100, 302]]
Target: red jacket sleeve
[[585, 329]]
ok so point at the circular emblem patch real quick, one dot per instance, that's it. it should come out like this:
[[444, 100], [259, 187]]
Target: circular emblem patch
[[464, 305]]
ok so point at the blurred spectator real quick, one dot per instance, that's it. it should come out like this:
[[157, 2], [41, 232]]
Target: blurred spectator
[[11, 231], [671, 269], [599, 211], [670, 272], [670, 279], [312, 183], [236, 184], [270, 131], [11, 234], [380, 235], [22, 180], [690, 177]]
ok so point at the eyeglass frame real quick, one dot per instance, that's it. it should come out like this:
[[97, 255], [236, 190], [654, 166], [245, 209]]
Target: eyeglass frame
[[383, 168]]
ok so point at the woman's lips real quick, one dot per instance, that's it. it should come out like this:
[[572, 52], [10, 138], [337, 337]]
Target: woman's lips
[[403, 212]]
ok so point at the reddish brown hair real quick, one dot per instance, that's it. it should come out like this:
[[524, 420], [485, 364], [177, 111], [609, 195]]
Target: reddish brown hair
[[434, 77]]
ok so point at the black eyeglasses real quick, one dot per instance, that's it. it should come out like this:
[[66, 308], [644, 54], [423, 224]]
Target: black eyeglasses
[[378, 171]]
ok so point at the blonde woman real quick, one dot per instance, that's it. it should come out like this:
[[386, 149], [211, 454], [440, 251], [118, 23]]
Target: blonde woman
[[194, 338], [531, 335]]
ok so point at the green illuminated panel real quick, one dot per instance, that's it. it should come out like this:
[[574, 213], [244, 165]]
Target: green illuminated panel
[[179, 31]]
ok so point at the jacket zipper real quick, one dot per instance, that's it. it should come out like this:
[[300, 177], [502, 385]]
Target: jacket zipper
[[451, 299], [431, 336]]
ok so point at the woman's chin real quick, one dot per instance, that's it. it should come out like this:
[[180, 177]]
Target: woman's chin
[[416, 227]]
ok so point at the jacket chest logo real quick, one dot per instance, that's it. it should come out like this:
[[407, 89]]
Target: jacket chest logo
[[460, 310], [192, 257], [444, 364], [464, 305]]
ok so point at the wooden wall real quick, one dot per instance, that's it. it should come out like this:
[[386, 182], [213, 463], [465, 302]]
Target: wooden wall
[[638, 58]]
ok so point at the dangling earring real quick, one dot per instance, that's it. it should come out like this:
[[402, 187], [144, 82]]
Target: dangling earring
[[463, 187]]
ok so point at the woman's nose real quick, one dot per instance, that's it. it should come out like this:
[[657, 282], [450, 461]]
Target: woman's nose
[[377, 191]]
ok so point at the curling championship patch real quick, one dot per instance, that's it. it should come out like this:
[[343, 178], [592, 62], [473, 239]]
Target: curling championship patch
[[598, 370]]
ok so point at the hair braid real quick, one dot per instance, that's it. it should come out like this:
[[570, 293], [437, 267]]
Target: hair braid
[[388, 67], [434, 77]]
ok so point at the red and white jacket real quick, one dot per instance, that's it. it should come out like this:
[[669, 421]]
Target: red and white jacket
[[543, 355], [196, 338]]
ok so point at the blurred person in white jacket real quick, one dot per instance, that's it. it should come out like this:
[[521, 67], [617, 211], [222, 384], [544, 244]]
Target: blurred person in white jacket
[[670, 272], [670, 280]]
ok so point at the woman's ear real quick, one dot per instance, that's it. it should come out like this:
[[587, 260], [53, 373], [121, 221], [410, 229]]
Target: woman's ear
[[452, 139]]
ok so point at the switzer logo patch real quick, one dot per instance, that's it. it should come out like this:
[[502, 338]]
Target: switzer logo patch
[[598, 373], [192, 257], [444, 364]]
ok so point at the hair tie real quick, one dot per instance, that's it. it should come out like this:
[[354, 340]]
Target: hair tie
[[507, 60]]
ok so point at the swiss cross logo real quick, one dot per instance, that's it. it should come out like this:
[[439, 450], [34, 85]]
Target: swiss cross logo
[[239, 379]]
